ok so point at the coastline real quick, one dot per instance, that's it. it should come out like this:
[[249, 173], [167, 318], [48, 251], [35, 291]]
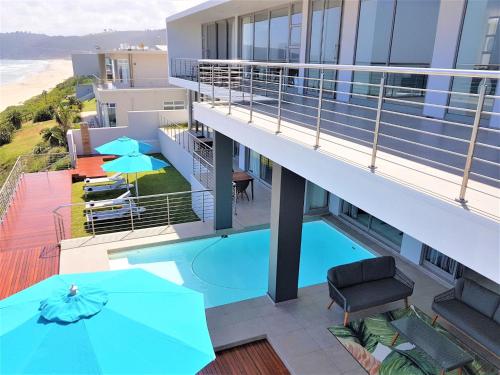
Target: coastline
[[33, 84]]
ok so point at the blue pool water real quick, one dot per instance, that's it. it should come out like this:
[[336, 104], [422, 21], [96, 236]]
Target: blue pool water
[[235, 268]]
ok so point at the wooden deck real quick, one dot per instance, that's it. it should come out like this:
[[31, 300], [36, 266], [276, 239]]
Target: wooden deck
[[257, 357], [28, 245], [90, 166]]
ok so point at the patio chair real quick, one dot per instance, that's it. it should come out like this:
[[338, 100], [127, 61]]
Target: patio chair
[[121, 200], [240, 188], [118, 185], [103, 180], [113, 214]]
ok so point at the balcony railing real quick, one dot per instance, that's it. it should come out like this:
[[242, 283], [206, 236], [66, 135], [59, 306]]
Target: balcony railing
[[137, 83], [391, 109]]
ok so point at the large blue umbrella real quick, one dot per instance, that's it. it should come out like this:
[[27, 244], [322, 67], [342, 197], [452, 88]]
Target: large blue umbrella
[[134, 162], [120, 322], [124, 146]]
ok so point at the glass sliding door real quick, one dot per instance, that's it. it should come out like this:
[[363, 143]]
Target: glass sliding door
[[247, 38], [441, 264], [261, 36], [266, 169], [222, 40], [325, 22], [378, 228], [479, 49], [278, 35], [395, 33]]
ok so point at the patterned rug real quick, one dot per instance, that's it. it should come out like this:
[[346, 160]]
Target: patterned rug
[[369, 339]]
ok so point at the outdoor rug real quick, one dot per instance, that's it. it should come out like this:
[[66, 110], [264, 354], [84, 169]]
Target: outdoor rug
[[369, 339]]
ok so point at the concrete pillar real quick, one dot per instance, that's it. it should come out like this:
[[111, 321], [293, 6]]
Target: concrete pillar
[[190, 109], [347, 49], [411, 249], [287, 204], [223, 169], [448, 28]]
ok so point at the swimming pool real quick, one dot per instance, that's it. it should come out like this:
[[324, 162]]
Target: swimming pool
[[235, 268]]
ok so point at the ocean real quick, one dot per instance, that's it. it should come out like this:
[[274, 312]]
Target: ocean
[[16, 70]]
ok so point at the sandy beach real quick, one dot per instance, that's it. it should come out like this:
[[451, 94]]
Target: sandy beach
[[33, 84]]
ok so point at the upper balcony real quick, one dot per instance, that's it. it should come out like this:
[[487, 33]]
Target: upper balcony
[[127, 84]]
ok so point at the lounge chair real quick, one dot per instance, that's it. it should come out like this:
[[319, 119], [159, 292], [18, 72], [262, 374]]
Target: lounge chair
[[103, 180], [367, 283], [121, 200], [118, 185], [119, 213]]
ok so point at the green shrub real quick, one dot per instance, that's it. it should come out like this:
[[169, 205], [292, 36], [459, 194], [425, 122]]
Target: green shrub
[[43, 114], [41, 147], [6, 132], [15, 118], [54, 136]]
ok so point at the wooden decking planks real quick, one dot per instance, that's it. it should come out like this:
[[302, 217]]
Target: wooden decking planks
[[28, 248], [90, 166], [257, 357]]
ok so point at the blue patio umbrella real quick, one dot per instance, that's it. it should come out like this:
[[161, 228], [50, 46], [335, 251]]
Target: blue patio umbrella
[[124, 146], [133, 163], [120, 322]]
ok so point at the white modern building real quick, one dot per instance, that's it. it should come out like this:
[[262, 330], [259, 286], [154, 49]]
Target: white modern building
[[132, 94], [388, 111]]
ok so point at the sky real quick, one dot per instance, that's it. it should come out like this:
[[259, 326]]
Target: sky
[[79, 17]]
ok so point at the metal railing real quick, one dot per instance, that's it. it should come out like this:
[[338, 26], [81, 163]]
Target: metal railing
[[201, 151], [384, 108], [141, 83], [132, 213], [29, 163]]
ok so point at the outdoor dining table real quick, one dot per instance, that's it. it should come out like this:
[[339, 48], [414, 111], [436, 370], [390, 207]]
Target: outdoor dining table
[[243, 176]]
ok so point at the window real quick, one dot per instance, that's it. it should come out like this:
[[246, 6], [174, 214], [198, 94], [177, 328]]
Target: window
[[261, 36], [173, 105], [108, 114], [217, 39], [278, 37], [441, 264], [397, 33], [378, 228], [479, 48]]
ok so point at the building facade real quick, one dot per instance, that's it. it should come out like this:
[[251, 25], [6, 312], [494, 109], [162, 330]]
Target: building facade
[[283, 56]]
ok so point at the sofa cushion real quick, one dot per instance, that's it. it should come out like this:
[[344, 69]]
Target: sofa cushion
[[479, 298], [481, 328], [346, 275], [378, 268], [374, 293]]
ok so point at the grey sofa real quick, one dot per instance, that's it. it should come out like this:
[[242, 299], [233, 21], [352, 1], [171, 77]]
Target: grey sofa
[[474, 310], [367, 283]]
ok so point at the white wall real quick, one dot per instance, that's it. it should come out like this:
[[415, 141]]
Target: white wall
[[137, 99], [143, 126], [85, 64], [411, 248], [176, 155], [465, 236]]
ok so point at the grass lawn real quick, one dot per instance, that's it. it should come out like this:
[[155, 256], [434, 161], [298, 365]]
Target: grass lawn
[[166, 180], [89, 105], [23, 142]]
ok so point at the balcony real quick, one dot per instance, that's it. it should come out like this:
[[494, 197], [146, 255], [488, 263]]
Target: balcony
[[126, 84], [382, 119]]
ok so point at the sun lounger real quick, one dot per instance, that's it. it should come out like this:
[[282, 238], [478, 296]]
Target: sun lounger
[[121, 200], [105, 188], [119, 213], [103, 180]]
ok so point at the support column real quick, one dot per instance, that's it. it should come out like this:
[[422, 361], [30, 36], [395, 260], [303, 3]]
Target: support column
[[190, 109], [223, 178], [287, 205]]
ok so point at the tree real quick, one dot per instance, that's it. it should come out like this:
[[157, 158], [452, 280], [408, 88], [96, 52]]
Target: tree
[[65, 117], [54, 136], [15, 118], [74, 102]]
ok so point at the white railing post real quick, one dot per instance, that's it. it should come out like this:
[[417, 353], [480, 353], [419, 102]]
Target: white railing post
[[280, 83], [472, 142], [251, 94], [131, 213], [168, 211], [377, 121], [213, 87], [229, 84], [318, 115]]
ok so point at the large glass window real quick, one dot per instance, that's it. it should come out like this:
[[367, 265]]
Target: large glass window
[[216, 39], [380, 229], [278, 35], [441, 264], [247, 38], [397, 33], [261, 36], [479, 49], [325, 33]]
